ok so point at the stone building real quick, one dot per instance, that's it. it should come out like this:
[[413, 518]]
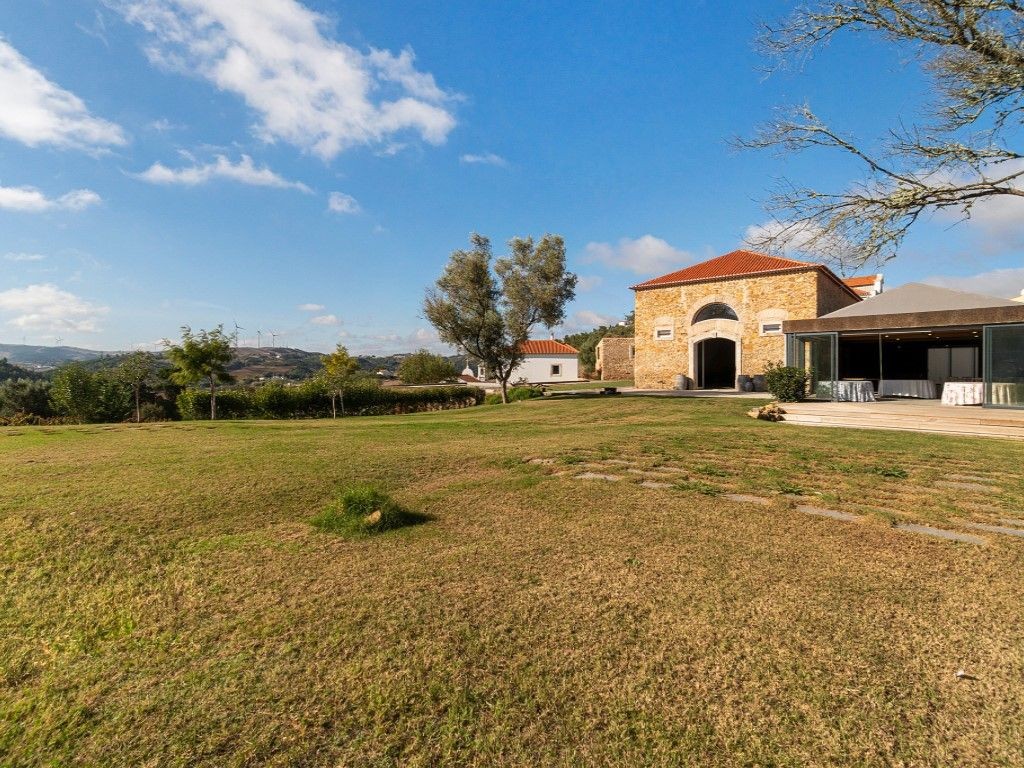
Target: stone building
[[722, 318], [614, 358]]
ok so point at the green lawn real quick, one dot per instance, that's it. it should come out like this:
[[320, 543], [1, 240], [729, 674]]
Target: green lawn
[[165, 602]]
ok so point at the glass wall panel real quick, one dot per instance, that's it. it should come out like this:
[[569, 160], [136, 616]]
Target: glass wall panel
[[1004, 366], [816, 353]]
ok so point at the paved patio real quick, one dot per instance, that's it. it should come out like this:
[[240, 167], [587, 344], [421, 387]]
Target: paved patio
[[910, 415]]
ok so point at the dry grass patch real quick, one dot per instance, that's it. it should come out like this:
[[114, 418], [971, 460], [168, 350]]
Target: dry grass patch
[[166, 602]]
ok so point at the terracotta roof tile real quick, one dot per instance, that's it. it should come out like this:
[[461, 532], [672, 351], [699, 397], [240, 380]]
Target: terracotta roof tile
[[734, 264], [862, 280], [546, 347]]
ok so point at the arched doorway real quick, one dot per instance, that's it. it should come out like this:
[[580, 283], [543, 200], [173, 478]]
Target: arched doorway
[[716, 363]]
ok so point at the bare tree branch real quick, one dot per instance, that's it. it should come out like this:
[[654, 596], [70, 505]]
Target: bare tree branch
[[974, 51]]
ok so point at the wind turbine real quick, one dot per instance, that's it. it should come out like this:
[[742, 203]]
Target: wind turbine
[[273, 338], [237, 329], [59, 340], [259, 338]]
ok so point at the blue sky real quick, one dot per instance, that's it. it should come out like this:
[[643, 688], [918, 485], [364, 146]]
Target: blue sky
[[306, 168]]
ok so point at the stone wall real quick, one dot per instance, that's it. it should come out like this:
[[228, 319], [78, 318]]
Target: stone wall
[[615, 358], [831, 296], [758, 299]]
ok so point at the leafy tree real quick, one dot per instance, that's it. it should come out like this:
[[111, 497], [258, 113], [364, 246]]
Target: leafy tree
[[423, 367], [489, 312], [25, 396], [75, 393], [202, 356], [339, 369], [137, 370], [10, 371], [959, 157]]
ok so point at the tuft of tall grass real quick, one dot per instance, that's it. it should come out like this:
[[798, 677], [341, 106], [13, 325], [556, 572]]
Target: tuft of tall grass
[[364, 510]]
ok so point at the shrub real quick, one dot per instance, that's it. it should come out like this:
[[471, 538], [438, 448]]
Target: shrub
[[364, 510], [311, 400], [525, 392], [787, 383], [25, 397]]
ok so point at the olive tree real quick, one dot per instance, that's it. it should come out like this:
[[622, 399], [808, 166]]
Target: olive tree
[[489, 310], [424, 367], [137, 370], [960, 156], [339, 369], [202, 356]]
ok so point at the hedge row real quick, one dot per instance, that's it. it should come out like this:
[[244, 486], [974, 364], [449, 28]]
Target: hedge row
[[312, 401]]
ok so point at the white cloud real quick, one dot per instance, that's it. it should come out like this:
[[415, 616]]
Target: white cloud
[[586, 283], [1007, 283], [311, 307], [339, 202], [163, 125], [24, 256], [37, 111], [487, 158], [325, 320], [307, 89], [47, 307], [585, 320], [801, 241], [645, 255], [31, 200], [244, 172]]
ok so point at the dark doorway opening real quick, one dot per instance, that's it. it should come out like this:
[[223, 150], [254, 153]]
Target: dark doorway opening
[[716, 364]]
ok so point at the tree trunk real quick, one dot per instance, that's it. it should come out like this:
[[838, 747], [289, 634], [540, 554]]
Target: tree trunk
[[341, 396], [504, 391], [138, 413], [334, 411], [213, 400]]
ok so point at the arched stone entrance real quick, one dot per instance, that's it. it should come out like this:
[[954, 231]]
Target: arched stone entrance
[[715, 363]]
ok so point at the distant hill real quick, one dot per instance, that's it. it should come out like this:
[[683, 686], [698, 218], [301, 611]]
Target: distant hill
[[249, 365], [44, 358]]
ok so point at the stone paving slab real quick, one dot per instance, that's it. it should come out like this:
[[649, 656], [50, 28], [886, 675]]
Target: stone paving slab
[[971, 478], [940, 533], [746, 498], [655, 484], [597, 476], [1012, 521], [992, 528], [966, 486], [821, 512]]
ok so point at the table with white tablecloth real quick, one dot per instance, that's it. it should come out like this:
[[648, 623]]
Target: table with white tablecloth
[[907, 388], [963, 393], [847, 391]]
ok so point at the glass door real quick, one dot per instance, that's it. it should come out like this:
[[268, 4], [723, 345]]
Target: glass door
[[1003, 354], [817, 354]]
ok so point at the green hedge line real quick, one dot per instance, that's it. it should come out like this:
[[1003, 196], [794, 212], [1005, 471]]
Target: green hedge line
[[312, 401]]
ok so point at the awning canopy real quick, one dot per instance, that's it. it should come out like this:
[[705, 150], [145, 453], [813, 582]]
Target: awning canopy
[[914, 305]]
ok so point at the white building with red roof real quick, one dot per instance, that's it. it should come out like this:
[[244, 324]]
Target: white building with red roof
[[545, 361]]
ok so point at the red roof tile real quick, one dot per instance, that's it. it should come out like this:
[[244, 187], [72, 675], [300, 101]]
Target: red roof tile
[[863, 280], [546, 347], [735, 264]]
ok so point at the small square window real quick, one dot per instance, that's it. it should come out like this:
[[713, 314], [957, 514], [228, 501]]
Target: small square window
[[771, 329], [556, 370], [664, 333]]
